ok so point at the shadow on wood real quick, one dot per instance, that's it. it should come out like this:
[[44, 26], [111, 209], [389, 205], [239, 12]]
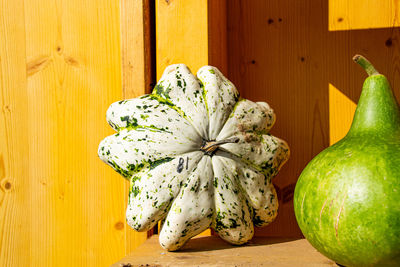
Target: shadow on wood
[[282, 52], [208, 243], [212, 251]]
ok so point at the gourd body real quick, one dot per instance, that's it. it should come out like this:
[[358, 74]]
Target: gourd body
[[347, 202], [347, 199], [196, 156]]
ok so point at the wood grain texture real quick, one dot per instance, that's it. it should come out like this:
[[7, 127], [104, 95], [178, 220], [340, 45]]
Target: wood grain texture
[[282, 52], [136, 47], [181, 34], [137, 76], [60, 70], [191, 32], [15, 198], [79, 208], [217, 35], [212, 251], [362, 14]]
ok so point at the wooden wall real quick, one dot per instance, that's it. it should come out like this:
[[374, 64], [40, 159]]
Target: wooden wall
[[60, 69], [63, 62], [290, 54]]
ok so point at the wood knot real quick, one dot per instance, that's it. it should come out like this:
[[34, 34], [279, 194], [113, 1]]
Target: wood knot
[[119, 226], [37, 65], [389, 42], [340, 19], [71, 61], [6, 184], [59, 49], [6, 108], [270, 21]]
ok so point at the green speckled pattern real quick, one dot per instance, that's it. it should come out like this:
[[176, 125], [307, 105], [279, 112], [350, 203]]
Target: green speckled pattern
[[220, 95], [347, 199], [157, 147]]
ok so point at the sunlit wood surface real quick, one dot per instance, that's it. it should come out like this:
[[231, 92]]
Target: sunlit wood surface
[[181, 34], [363, 14], [341, 112]]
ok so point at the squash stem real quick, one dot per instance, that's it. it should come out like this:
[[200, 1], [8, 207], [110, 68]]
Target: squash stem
[[366, 65], [210, 146]]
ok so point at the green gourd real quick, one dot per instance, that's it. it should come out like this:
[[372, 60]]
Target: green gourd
[[347, 199]]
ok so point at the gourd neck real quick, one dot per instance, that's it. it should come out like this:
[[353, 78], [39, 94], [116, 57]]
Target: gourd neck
[[209, 147], [377, 110]]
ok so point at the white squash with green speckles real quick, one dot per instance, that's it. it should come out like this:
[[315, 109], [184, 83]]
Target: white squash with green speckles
[[197, 156]]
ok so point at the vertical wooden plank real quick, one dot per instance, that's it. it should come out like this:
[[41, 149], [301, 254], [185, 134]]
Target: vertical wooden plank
[[136, 34], [191, 32], [74, 73], [15, 213], [362, 14], [42, 135], [181, 33], [137, 72], [268, 61], [217, 35]]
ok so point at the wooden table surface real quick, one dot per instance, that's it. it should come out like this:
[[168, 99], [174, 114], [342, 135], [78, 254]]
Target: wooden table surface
[[212, 251]]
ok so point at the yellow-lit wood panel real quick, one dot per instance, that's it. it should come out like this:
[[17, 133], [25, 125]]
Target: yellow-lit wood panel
[[60, 70], [181, 34], [341, 112], [363, 14], [15, 198], [77, 202]]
